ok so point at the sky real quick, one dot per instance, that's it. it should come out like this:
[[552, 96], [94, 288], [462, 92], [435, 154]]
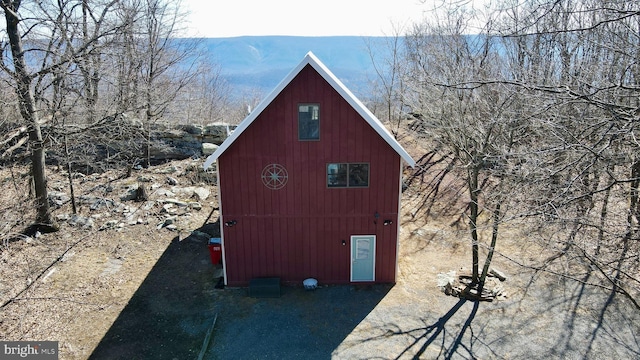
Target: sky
[[230, 18]]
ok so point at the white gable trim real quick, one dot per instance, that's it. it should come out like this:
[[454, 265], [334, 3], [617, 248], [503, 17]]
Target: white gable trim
[[311, 59]]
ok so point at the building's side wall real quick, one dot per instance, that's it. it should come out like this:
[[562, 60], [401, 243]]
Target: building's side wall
[[298, 231]]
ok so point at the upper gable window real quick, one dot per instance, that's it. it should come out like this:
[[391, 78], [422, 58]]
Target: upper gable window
[[309, 122]]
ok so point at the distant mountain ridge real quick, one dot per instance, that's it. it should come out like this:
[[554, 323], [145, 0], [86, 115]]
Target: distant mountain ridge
[[261, 62]]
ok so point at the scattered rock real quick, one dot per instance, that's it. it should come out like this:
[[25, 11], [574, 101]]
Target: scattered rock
[[149, 205], [172, 181], [58, 198], [141, 194], [81, 221], [57, 186], [90, 178], [419, 232], [119, 208], [100, 203], [165, 192], [209, 148], [201, 193], [166, 170], [499, 274], [95, 203], [462, 287], [446, 279], [168, 222], [175, 202], [109, 225], [130, 194], [67, 256], [63, 217], [168, 208], [198, 192], [128, 210]]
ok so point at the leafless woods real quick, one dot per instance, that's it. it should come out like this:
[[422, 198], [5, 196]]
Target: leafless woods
[[535, 105], [83, 77]]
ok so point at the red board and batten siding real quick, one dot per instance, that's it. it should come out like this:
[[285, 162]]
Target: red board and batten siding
[[297, 232]]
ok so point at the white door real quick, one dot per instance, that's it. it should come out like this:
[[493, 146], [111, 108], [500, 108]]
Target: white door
[[363, 257]]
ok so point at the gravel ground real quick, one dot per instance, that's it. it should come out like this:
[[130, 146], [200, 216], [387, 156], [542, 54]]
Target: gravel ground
[[300, 324], [345, 322], [172, 310]]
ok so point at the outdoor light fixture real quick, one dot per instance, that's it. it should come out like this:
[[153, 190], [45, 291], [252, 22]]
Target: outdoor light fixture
[[387, 222], [230, 223], [344, 243]]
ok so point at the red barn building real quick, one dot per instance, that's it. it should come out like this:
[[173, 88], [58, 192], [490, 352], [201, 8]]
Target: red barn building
[[310, 186]]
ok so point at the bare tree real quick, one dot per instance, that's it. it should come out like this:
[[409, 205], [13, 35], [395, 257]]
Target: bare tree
[[477, 128], [23, 82], [42, 46], [546, 98], [206, 100], [577, 62], [389, 69], [166, 63]]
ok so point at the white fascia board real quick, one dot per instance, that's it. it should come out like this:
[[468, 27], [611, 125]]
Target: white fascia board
[[254, 114], [360, 108]]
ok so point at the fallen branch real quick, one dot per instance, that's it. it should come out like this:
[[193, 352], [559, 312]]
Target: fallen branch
[[58, 299], [207, 339], [13, 134], [17, 296], [15, 146]]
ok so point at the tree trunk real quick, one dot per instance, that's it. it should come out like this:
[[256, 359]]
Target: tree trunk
[[74, 208], [473, 219], [44, 220], [492, 247]]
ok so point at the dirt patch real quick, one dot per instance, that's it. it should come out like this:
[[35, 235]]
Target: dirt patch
[[72, 285]]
